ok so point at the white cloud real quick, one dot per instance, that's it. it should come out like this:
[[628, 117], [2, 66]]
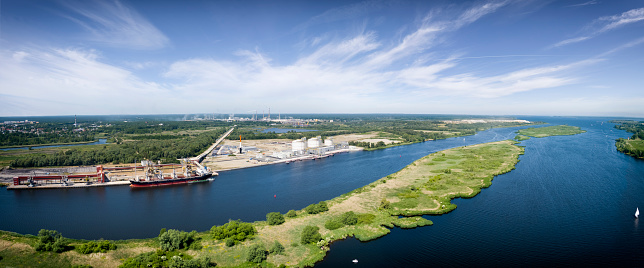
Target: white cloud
[[344, 13], [68, 80], [593, 2], [115, 24], [605, 24], [612, 22], [356, 74]]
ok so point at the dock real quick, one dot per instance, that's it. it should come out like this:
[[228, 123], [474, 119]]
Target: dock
[[70, 185], [102, 176]]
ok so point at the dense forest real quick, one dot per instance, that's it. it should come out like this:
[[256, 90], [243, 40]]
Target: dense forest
[[634, 146], [19, 138], [165, 150], [409, 131]]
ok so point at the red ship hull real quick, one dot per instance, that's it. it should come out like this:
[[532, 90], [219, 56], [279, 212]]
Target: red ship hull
[[168, 182]]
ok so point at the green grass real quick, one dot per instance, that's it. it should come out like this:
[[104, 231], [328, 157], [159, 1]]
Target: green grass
[[521, 138], [636, 144], [551, 131], [633, 148]]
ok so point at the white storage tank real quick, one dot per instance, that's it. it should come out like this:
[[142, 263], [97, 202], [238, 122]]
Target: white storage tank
[[314, 143], [328, 142], [298, 145]]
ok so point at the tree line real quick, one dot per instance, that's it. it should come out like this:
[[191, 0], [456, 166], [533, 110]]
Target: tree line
[[166, 151]]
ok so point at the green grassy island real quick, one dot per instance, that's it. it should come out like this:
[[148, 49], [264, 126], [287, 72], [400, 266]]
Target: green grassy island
[[549, 131]]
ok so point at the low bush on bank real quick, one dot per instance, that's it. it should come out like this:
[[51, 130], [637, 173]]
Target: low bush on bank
[[310, 234], [333, 224], [162, 258], [257, 253], [275, 218], [50, 240], [93, 247], [347, 218], [317, 208], [277, 248], [291, 214], [175, 239], [233, 231]]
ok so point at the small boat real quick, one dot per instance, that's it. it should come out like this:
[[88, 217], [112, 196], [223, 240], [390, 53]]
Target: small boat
[[355, 261], [637, 212]]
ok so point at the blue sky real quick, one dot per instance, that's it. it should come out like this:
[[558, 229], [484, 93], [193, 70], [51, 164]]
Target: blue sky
[[526, 57]]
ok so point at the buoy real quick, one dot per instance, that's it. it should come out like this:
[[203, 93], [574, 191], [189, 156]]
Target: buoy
[[274, 196], [355, 260]]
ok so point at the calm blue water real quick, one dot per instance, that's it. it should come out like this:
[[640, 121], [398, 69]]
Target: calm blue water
[[570, 201], [100, 141], [284, 130]]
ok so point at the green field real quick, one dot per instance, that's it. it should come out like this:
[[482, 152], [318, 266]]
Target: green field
[[633, 148], [551, 131]]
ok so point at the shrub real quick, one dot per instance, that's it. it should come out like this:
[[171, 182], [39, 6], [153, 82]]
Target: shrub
[[349, 218], [277, 248], [174, 239], [291, 214], [178, 262], [385, 204], [275, 218], [50, 240], [236, 230], [163, 230], [317, 208], [230, 242], [366, 218], [170, 259], [256, 253], [91, 247], [310, 234], [333, 224]]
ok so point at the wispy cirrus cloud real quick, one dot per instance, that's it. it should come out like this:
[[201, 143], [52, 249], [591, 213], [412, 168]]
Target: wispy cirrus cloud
[[61, 81], [425, 36], [592, 2], [116, 24], [605, 24], [346, 12], [366, 73]]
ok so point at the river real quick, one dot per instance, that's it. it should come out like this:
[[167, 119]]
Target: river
[[570, 201]]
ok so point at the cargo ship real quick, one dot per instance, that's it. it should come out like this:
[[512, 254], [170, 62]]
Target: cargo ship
[[154, 178]]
